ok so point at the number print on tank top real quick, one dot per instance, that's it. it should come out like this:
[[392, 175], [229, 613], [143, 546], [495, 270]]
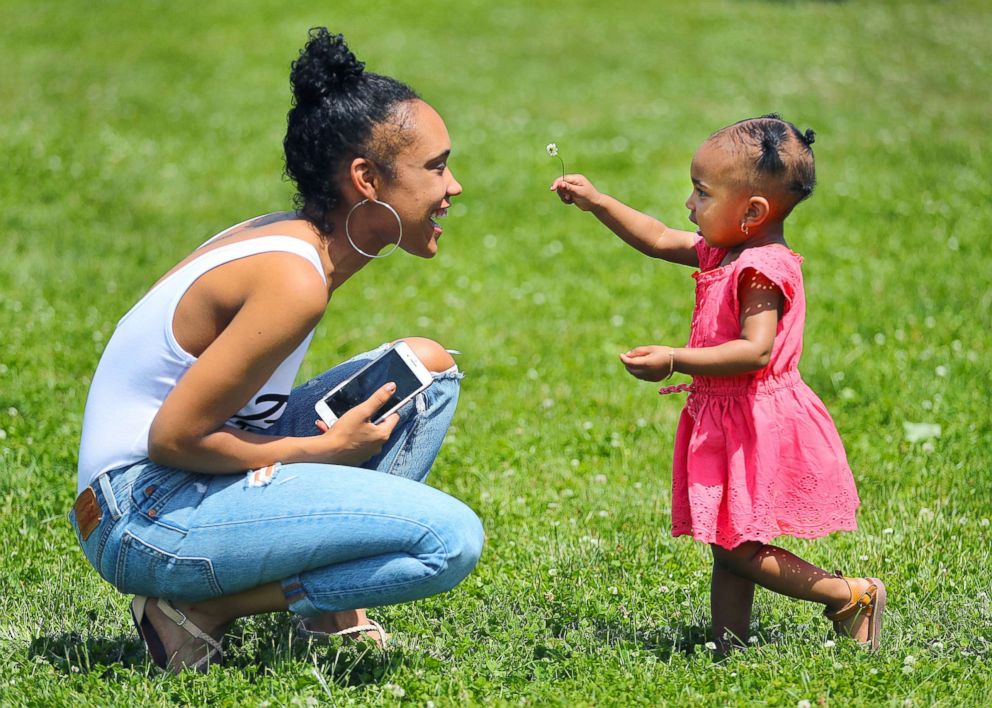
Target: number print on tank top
[[264, 418]]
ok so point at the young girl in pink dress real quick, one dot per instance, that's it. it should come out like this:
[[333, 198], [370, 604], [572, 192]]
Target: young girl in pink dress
[[756, 453]]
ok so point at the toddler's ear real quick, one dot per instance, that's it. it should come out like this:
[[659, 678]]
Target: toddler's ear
[[757, 211]]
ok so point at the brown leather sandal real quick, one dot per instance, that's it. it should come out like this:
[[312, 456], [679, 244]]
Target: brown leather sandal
[[870, 604]]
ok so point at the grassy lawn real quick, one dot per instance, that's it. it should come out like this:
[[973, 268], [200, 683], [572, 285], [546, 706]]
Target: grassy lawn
[[132, 131]]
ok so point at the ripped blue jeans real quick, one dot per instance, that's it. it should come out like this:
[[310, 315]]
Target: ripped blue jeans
[[335, 537]]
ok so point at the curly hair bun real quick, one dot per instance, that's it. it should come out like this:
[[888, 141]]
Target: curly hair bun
[[326, 66]]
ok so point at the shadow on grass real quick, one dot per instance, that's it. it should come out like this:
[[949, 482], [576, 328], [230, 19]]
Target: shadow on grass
[[253, 647], [661, 642]]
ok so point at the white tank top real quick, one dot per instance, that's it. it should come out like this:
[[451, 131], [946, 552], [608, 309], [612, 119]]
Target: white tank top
[[143, 362]]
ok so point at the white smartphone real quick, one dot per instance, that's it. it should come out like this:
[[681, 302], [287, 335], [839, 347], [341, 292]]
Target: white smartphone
[[397, 364]]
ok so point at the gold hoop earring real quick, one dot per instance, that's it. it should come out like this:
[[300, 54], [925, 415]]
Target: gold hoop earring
[[744, 227], [399, 223]]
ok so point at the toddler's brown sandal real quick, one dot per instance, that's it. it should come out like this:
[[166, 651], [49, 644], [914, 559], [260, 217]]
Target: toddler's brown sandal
[[870, 604]]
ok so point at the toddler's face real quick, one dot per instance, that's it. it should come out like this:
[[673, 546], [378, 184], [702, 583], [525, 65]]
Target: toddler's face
[[718, 201]]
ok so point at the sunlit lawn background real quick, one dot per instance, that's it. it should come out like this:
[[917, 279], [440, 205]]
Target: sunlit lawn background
[[131, 131]]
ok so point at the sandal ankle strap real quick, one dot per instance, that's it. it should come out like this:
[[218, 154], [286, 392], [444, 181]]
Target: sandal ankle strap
[[183, 621], [860, 604]]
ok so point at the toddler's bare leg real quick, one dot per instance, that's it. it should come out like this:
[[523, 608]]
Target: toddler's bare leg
[[787, 574], [731, 598]]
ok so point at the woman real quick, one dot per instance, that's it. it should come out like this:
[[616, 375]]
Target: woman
[[193, 392]]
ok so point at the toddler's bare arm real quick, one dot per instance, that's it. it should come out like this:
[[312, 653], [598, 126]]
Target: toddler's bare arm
[[645, 233]]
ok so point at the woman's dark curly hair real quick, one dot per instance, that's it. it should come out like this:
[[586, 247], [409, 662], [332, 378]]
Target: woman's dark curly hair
[[779, 155], [339, 111]]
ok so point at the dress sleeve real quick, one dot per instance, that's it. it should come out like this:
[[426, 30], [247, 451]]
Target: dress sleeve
[[777, 264], [709, 257]]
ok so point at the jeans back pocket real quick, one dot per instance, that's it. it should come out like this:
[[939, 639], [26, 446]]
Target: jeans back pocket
[[143, 569]]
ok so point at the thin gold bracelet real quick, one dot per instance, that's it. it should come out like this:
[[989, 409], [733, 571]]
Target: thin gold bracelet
[[671, 363]]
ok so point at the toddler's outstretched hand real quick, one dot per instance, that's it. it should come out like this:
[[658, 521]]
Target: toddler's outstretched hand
[[651, 363], [577, 190]]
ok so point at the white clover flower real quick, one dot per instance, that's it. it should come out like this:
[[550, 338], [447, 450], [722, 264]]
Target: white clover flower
[[613, 590], [394, 689], [887, 531], [752, 640], [909, 660], [907, 669], [710, 645], [663, 589], [804, 704], [829, 644]]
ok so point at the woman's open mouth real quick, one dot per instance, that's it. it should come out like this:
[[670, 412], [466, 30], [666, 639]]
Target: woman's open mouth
[[435, 215]]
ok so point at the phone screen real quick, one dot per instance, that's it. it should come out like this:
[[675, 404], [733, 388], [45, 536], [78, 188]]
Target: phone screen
[[388, 367]]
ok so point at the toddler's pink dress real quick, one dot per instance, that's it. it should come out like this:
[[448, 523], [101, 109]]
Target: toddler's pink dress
[[756, 455]]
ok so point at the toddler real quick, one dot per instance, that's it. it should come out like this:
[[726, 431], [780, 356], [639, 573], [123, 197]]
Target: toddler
[[756, 453]]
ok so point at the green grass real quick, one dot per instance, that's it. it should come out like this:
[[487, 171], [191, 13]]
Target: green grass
[[131, 131]]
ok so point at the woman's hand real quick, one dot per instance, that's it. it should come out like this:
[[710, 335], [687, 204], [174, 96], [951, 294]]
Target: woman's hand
[[354, 437], [651, 363], [577, 190]]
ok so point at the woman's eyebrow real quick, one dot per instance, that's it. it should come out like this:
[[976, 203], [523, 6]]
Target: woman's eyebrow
[[440, 158]]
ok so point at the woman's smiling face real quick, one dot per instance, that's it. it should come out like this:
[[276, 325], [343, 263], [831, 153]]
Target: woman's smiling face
[[422, 184]]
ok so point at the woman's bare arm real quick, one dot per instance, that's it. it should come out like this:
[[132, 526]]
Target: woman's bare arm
[[282, 303]]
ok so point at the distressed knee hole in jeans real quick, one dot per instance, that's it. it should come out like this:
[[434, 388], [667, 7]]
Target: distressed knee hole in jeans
[[263, 476]]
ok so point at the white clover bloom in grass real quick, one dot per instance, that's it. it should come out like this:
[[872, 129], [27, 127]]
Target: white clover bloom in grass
[[830, 644], [663, 589], [395, 690], [710, 645], [909, 660], [804, 704], [613, 590], [752, 640]]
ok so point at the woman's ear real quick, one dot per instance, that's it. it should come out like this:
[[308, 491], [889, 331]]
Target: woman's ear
[[364, 178]]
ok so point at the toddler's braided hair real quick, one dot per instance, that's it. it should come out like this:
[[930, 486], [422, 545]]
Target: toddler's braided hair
[[779, 156]]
